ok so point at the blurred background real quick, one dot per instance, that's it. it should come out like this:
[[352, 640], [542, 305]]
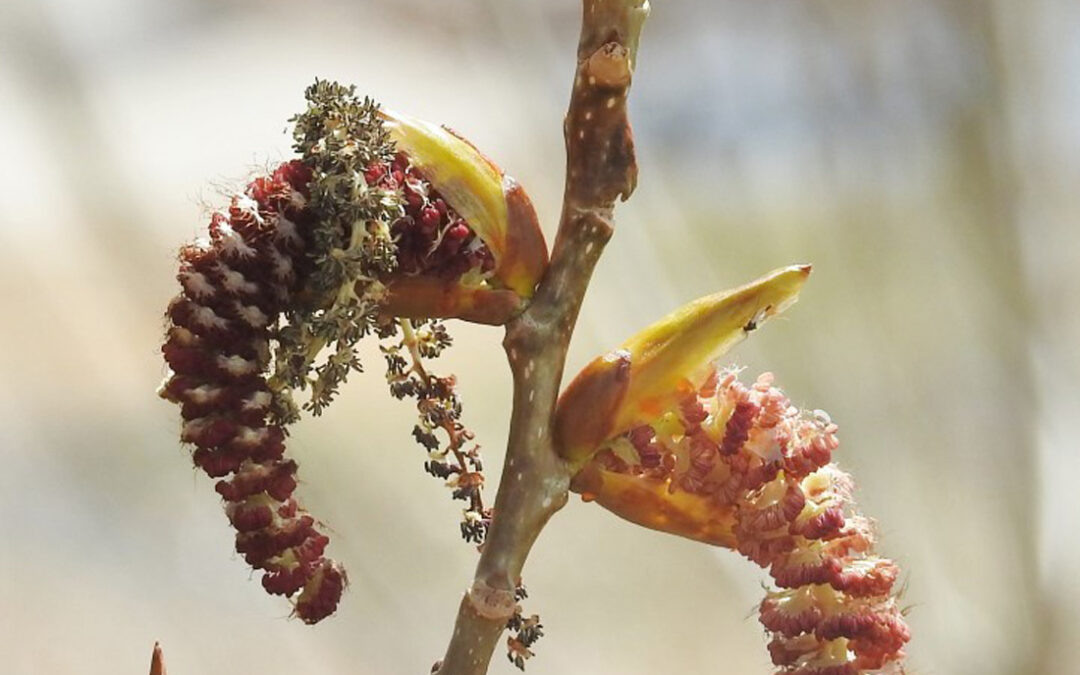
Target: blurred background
[[922, 155]]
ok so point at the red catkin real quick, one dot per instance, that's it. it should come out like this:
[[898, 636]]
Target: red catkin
[[234, 286]]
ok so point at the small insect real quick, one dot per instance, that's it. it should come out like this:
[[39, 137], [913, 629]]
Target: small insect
[[757, 319]]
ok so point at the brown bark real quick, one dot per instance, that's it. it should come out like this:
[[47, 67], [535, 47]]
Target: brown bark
[[535, 481]]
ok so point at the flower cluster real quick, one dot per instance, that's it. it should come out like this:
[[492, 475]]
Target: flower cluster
[[458, 462], [432, 238], [661, 437], [383, 221], [762, 468], [526, 631], [235, 286], [342, 140]]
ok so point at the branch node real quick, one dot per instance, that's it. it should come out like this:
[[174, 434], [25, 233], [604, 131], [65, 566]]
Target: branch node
[[609, 67], [494, 604]]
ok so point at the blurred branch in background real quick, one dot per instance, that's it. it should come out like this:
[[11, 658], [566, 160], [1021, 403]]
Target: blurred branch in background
[[922, 155], [157, 661]]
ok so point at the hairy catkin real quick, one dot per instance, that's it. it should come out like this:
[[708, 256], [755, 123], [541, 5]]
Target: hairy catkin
[[835, 611], [751, 456], [234, 287]]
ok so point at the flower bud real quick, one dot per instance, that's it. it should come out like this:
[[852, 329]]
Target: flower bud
[[157, 661], [490, 204], [647, 375]]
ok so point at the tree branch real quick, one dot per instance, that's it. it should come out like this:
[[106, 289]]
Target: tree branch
[[535, 481]]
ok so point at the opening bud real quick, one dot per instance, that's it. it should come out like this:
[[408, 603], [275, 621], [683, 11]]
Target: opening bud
[[453, 190], [652, 371], [660, 436]]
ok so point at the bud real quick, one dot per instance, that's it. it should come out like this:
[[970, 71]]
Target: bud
[[416, 217], [157, 661], [647, 375], [491, 203], [688, 449]]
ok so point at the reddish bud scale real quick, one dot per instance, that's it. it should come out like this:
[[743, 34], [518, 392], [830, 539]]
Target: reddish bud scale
[[748, 452]]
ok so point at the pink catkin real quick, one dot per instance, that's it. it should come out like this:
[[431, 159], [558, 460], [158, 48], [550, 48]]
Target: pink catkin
[[793, 516]]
